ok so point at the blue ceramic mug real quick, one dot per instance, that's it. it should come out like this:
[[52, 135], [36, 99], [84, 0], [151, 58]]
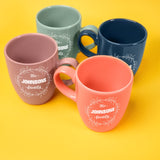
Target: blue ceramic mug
[[121, 38]]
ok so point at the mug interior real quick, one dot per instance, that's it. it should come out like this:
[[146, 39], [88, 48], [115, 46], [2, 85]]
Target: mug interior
[[58, 16], [31, 48], [123, 31], [104, 73]]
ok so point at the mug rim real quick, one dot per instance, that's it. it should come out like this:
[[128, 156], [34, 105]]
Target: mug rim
[[58, 28], [26, 35], [124, 44], [104, 92]]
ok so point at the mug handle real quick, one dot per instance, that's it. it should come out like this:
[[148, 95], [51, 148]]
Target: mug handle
[[59, 83], [68, 61], [92, 28], [91, 33]]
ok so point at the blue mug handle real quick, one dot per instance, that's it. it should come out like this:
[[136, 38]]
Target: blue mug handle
[[91, 34]]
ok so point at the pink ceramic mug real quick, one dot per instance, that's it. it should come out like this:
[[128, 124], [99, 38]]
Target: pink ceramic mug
[[102, 90], [32, 60]]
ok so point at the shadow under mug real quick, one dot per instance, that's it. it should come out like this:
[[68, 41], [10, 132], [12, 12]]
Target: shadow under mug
[[63, 23], [121, 38], [31, 60], [102, 90]]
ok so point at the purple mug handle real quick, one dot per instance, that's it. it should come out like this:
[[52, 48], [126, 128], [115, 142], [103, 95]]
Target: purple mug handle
[[68, 61]]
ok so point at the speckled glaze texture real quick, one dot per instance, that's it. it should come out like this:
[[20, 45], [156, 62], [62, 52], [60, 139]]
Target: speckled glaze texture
[[65, 38], [102, 95], [31, 60], [62, 23], [121, 38]]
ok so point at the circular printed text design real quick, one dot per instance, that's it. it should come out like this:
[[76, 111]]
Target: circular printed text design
[[130, 60], [33, 82], [102, 111], [64, 44]]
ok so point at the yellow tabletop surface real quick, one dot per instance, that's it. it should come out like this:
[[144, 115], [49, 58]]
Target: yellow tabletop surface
[[55, 131]]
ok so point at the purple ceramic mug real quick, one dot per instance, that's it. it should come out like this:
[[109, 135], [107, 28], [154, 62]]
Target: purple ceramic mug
[[31, 60]]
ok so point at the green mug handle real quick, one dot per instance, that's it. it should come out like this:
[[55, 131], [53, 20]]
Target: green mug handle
[[92, 28]]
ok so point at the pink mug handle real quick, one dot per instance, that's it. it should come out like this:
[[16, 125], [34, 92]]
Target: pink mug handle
[[59, 83], [71, 61]]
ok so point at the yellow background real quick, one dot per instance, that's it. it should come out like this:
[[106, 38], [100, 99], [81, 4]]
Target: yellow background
[[55, 131]]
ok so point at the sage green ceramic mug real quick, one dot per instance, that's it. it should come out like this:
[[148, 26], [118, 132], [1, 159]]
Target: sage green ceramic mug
[[63, 23]]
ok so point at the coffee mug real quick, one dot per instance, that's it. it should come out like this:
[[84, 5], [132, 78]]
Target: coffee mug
[[63, 23], [102, 90], [31, 60], [122, 38]]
